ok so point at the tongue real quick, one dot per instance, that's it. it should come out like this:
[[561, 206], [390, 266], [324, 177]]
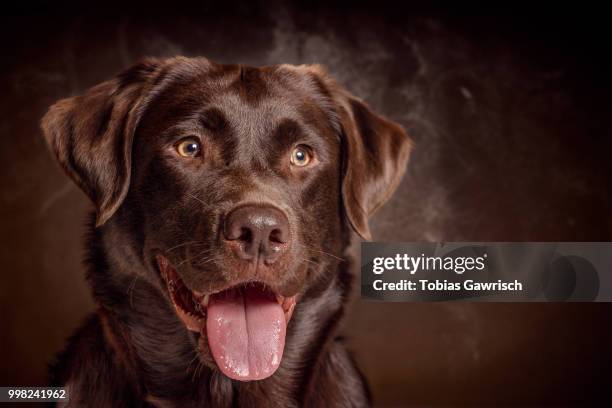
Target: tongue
[[246, 332]]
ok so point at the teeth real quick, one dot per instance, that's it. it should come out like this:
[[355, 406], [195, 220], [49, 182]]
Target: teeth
[[199, 304], [193, 316]]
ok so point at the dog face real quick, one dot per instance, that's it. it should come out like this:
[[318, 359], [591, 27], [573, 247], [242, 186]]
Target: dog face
[[237, 185]]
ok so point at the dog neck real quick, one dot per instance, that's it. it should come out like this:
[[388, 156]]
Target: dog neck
[[156, 351]]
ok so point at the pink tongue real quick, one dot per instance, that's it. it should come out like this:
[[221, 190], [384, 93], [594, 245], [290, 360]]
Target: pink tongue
[[246, 332]]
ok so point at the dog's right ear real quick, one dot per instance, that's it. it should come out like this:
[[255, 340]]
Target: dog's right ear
[[375, 150], [92, 135]]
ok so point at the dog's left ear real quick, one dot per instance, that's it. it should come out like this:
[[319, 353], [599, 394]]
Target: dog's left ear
[[91, 135], [375, 153]]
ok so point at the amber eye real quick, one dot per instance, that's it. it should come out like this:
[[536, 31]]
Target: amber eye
[[301, 156], [189, 147]]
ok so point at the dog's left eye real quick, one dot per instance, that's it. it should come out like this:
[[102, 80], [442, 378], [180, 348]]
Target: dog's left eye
[[301, 156], [189, 147]]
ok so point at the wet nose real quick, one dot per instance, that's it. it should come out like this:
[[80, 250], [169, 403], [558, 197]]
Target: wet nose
[[254, 231]]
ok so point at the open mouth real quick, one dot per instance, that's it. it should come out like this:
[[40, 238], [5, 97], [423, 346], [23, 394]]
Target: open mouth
[[245, 324]]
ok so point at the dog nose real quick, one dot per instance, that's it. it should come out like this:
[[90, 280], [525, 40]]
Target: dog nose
[[257, 230]]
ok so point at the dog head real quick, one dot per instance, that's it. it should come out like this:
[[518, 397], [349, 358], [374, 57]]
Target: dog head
[[238, 184]]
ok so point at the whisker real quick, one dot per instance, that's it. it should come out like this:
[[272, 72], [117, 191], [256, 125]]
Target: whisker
[[190, 258], [186, 243], [207, 261], [191, 195], [322, 252], [204, 251], [310, 261], [328, 254]]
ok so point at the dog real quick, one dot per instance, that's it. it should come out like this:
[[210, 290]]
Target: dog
[[225, 197]]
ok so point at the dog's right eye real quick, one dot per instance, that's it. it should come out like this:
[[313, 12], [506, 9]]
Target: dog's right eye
[[189, 147]]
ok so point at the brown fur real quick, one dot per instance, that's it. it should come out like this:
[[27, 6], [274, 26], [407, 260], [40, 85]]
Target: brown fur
[[116, 142]]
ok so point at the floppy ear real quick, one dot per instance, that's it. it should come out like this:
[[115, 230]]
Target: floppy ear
[[375, 154], [92, 135]]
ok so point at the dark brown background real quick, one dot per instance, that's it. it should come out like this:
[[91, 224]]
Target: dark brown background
[[510, 113]]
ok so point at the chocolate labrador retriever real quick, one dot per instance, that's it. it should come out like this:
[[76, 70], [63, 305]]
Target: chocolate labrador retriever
[[225, 196]]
